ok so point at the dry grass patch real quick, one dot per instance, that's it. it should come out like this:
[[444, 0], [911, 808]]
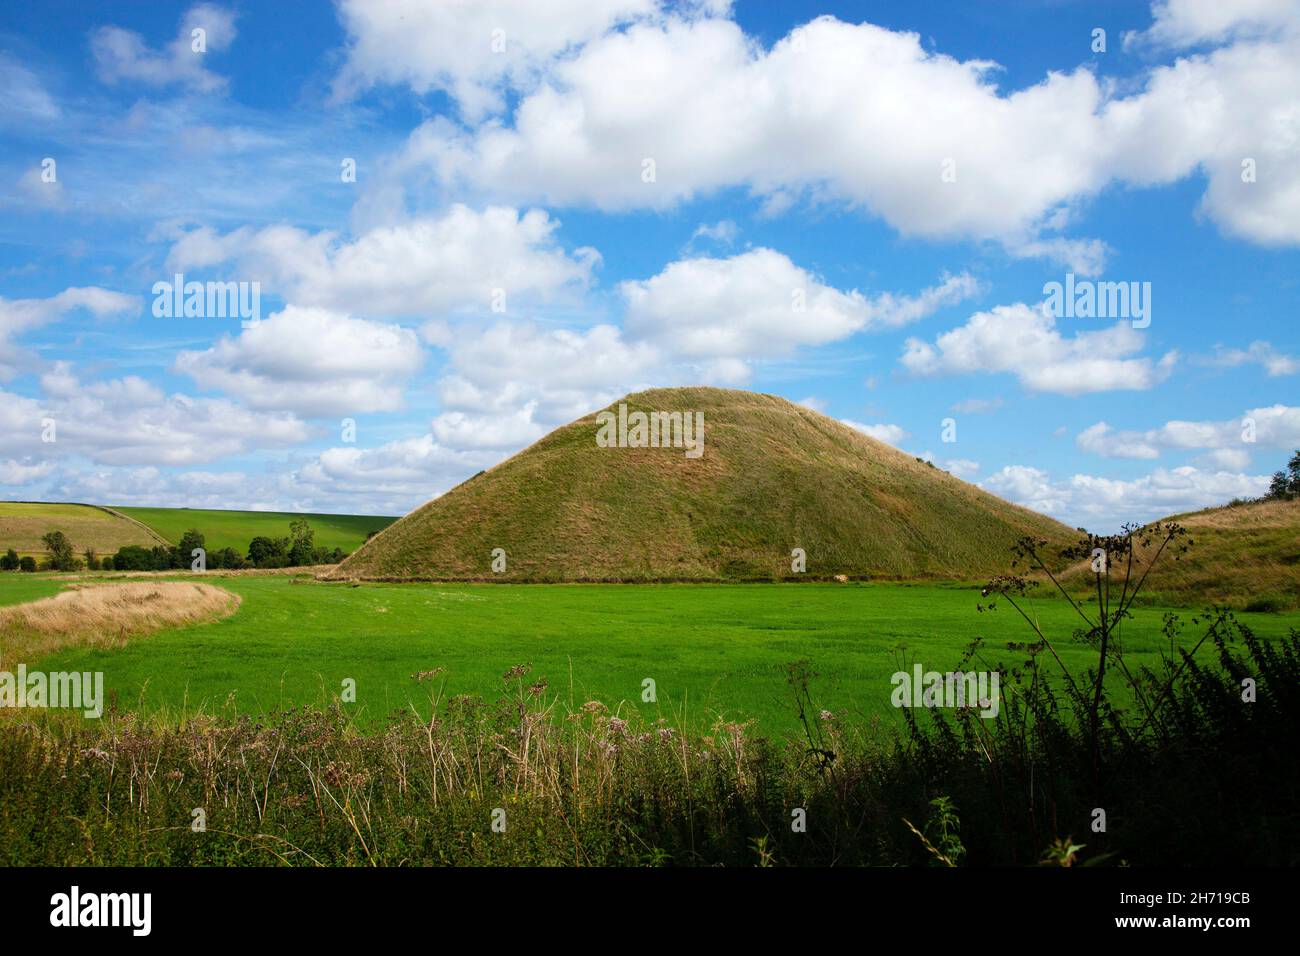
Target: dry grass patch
[[106, 616]]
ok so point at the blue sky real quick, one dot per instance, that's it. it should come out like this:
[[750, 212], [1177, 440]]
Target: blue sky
[[853, 205]]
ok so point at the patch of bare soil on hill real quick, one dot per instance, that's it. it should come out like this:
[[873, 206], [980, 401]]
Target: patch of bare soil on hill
[[106, 615]]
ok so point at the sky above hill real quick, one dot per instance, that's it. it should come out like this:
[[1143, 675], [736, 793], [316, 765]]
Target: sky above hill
[[467, 223]]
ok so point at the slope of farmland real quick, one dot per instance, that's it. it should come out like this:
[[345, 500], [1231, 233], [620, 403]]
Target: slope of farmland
[[22, 524]]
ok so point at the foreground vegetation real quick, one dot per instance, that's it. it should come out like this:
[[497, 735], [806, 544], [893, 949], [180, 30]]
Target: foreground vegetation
[[1194, 777]]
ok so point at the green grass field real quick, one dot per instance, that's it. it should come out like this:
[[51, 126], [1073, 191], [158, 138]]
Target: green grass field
[[19, 588], [235, 529], [712, 649]]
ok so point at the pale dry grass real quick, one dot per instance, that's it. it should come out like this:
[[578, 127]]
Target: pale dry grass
[[1257, 514], [106, 615]]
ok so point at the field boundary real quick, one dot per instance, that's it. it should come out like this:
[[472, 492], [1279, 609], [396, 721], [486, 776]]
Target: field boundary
[[135, 521]]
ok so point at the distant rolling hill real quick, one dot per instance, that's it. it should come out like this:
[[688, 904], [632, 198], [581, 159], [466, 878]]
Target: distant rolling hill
[[234, 529], [774, 476], [107, 529], [22, 524]]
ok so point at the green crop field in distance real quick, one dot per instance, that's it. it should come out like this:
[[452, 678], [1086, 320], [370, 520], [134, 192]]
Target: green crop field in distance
[[235, 529], [712, 650]]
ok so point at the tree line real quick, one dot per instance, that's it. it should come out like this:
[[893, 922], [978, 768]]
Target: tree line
[[298, 549]]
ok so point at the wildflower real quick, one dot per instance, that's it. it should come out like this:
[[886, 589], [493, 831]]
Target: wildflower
[[519, 670]]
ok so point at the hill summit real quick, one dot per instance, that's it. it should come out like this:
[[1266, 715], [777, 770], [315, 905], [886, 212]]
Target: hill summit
[[622, 496]]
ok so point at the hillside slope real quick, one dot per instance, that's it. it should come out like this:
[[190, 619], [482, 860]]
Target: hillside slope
[[23, 523], [774, 476], [1242, 555]]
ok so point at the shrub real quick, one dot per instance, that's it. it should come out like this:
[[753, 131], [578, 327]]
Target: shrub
[[1267, 604], [264, 552], [27, 563], [135, 558], [9, 560], [230, 558]]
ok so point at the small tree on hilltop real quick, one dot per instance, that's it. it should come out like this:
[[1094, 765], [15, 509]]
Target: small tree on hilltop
[[1286, 484]]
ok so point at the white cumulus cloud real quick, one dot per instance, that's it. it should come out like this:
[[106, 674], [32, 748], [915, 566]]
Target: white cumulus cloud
[[311, 361], [1024, 341], [124, 56]]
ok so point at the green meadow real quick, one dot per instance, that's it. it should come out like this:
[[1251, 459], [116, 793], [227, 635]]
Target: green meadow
[[20, 588], [712, 650]]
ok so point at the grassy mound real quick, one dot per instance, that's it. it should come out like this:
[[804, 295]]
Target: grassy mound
[[774, 476]]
